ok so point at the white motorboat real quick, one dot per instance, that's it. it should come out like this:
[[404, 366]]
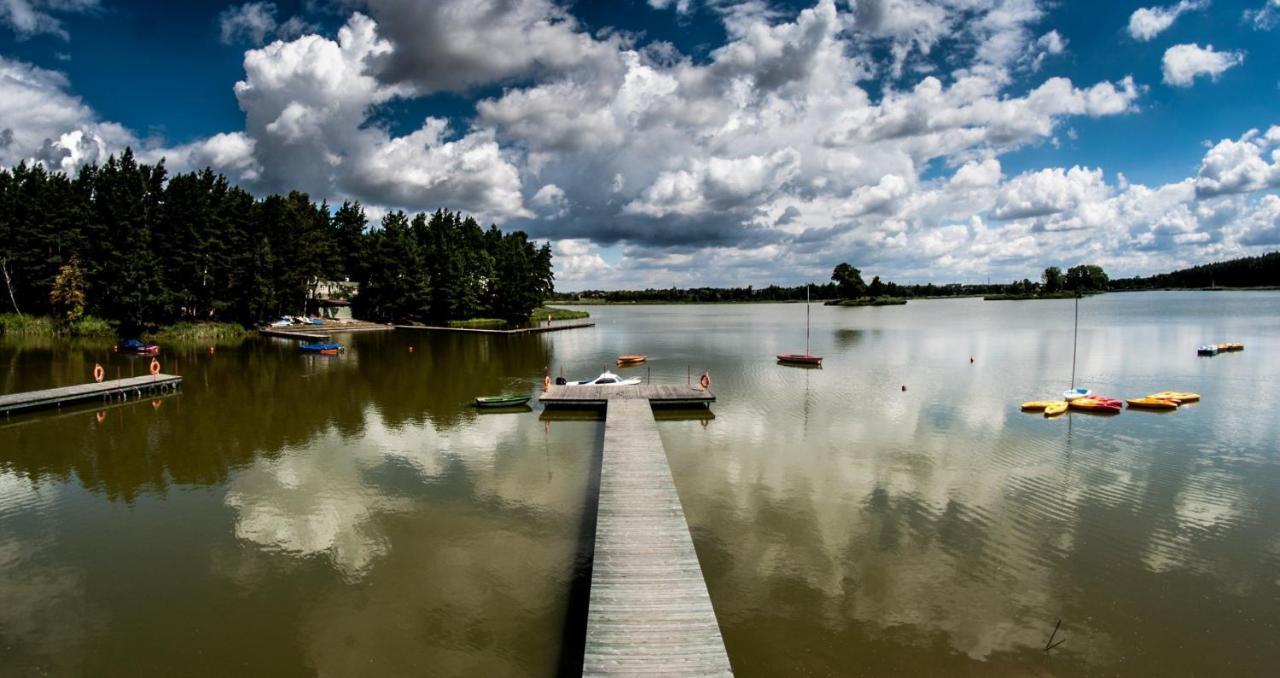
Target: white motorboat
[[607, 378]]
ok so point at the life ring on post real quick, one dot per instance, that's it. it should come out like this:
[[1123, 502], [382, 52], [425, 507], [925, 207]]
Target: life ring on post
[[98, 373], [155, 367], [705, 380]]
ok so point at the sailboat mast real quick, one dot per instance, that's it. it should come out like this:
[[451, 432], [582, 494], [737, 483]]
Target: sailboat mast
[[806, 319], [1075, 338]]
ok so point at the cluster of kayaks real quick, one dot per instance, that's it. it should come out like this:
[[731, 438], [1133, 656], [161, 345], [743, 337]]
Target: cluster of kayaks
[[1215, 349], [1082, 400]]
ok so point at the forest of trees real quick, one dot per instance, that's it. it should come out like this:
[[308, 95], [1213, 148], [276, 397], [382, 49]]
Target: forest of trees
[[1263, 271], [126, 243]]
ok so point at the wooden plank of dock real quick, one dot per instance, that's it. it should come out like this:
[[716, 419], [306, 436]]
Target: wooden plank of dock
[[476, 330], [322, 332], [659, 395], [106, 390], [649, 612]]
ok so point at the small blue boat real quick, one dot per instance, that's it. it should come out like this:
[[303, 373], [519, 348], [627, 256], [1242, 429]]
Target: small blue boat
[[135, 346], [330, 349]]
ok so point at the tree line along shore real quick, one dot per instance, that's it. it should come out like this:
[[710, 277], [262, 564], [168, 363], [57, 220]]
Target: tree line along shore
[[124, 248], [847, 287]]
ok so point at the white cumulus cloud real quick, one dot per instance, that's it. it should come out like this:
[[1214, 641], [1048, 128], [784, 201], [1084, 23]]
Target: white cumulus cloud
[[1250, 163], [1148, 22], [1184, 63]]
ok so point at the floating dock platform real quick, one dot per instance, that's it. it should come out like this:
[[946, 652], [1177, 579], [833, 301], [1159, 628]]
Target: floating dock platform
[[649, 610], [599, 396], [115, 389]]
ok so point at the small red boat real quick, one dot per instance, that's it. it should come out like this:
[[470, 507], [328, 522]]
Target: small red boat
[[799, 359]]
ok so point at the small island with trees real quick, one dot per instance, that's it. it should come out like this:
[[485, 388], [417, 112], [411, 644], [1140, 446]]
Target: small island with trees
[[853, 291]]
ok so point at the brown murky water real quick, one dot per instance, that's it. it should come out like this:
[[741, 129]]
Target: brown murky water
[[353, 515]]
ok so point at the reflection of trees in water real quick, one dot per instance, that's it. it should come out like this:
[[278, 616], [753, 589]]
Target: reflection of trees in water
[[849, 338], [446, 371], [238, 404]]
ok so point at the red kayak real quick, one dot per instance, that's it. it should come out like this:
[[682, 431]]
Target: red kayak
[[1098, 404], [800, 358]]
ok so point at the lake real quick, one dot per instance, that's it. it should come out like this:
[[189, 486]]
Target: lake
[[354, 515]]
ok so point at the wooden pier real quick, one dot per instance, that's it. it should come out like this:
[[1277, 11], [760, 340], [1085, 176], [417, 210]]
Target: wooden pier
[[649, 611], [114, 389], [600, 396], [322, 332], [476, 330]]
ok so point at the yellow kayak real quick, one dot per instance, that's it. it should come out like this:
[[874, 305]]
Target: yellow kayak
[[1037, 405], [1150, 403], [1055, 408], [1176, 396]]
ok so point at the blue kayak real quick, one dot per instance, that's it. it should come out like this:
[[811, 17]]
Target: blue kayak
[[319, 348]]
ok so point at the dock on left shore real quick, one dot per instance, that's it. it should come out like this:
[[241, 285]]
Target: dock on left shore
[[103, 391]]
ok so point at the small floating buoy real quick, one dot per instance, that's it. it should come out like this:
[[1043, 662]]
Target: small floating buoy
[[211, 349], [970, 360], [411, 349], [904, 388], [101, 417]]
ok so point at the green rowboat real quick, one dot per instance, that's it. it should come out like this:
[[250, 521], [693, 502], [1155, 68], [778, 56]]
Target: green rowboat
[[502, 400]]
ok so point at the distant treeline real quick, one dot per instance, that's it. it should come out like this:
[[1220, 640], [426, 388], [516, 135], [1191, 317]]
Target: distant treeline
[[847, 283], [699, 294], [1263, 271], [124, 242], [817, 291]]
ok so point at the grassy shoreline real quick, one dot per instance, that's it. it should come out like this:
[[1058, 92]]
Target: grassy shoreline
[[868, 301], [12, 324], [540, 315], [1027, 297]]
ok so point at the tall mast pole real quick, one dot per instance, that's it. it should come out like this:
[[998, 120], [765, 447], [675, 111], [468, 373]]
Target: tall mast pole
[[1075, 338], [806, 319]]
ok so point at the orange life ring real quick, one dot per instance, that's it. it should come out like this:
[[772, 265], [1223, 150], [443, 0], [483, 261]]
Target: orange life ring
[[546, 382], [98, 373], [155, 367], [705, 380]]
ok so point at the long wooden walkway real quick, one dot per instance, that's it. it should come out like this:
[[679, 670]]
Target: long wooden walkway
[[477, 330], [649, 612], [94, 391]]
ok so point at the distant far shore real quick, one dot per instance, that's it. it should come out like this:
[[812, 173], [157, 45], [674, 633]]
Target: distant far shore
[[895, 301]]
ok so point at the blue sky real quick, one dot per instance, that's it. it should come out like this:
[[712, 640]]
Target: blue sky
[[695, 142]]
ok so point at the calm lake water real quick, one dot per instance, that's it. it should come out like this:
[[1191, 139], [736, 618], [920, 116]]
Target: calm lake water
[[353, 515]]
